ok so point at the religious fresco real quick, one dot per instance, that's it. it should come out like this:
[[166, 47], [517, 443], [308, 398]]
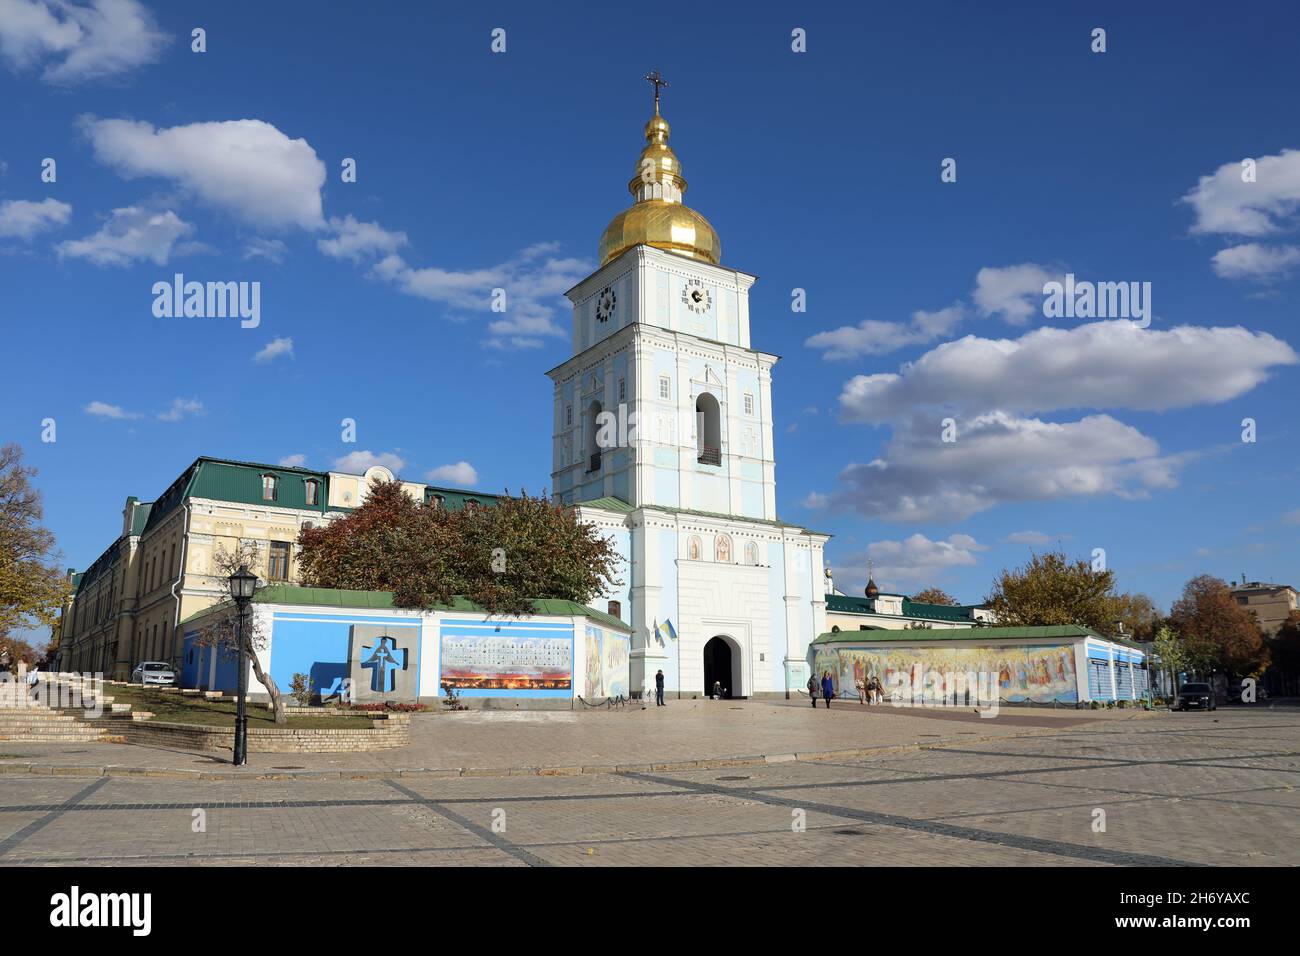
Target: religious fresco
[[608, 663], [1037, 673]]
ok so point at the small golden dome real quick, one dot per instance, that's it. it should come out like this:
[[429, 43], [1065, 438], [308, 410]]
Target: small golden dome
[[658, 217]]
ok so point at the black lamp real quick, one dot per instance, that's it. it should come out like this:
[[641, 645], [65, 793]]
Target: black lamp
[[242, 585]]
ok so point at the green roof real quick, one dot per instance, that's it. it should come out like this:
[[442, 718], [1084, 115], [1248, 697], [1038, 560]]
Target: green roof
[[963, 634], [224, 479], [383, 600], [848, 604]]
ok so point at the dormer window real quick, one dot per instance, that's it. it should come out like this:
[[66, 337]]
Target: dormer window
[[311, 492], [270, 487]]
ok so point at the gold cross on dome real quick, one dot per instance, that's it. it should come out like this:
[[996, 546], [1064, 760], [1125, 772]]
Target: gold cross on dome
[[657, 78]]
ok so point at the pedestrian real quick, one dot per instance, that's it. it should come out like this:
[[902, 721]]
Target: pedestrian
[[659, 689], [828, 688], [873, 690], [717, 690], [812, 690], [861, 685]]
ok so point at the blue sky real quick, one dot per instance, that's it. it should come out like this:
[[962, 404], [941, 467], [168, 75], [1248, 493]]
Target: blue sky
[[820, 171]]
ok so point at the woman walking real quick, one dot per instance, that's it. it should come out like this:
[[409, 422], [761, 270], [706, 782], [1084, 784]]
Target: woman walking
[[828, 688]]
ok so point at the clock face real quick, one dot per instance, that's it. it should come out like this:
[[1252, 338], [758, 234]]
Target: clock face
[[605, 303], [696, 297]]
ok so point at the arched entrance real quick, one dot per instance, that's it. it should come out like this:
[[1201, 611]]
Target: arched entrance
[[721, 664]]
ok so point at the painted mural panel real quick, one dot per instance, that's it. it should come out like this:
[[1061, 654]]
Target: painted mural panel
[[507, 657], [608, 663], [1037, 673]]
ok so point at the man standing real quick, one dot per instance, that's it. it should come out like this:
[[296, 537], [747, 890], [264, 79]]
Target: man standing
[[828, 689], [659, 689]]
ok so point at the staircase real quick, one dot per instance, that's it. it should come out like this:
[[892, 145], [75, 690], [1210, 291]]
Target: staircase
[[23, 718]]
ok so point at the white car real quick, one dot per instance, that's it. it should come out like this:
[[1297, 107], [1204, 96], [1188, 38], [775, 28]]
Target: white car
[[153, 672]]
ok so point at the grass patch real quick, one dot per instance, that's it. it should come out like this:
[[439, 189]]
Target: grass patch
[[193, 709]]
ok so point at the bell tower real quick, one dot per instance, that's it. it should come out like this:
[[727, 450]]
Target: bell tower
[[663, 402]]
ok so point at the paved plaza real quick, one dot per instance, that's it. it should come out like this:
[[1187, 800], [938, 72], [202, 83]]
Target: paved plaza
[[1025, 788]]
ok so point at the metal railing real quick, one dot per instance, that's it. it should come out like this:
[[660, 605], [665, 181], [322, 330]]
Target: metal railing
[[710, 455]]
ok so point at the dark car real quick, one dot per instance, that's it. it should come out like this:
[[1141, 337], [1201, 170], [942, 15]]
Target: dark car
[[1195, 697]]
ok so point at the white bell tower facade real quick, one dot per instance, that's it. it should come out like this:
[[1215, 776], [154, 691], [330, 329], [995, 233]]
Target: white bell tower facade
[[663, 438]]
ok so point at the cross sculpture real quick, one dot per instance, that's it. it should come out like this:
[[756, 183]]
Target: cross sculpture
[[656, 78], [386, 664]]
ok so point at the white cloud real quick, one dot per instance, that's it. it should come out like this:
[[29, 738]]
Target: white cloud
[[293, 461], [274, 349], [105, 410], [246, 168], [1012, 292], [1254, 261], [180, 408], [1112, 364], [273, 250], [914, 561], [360, 240], [130, 234], [78, 41], [873, 337], [462, 474], [23, 218], [534, 282], [357, 462], [815, 499], [999, 457], [1034, 538], [1291, 517], [1224, 204]]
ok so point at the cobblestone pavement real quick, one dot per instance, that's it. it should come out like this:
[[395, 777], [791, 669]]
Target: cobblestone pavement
[[683, 731], [1196, 789]]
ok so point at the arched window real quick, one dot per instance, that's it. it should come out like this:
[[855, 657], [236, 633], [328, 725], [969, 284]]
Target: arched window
[[722, 549], [694, 548], [310, 491], [751, 553], [269, 487], [593, 436], [708, 430]]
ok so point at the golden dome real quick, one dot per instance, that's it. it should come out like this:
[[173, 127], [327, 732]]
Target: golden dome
[[657, 217]]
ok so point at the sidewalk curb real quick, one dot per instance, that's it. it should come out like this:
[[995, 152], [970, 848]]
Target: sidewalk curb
[[708, 763]]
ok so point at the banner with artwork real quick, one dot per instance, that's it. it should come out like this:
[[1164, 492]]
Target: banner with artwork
[[507, 656], [608, 663], [1037, 673]]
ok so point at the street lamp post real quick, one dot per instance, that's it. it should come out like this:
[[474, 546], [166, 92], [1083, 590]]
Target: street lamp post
[[242, 585]]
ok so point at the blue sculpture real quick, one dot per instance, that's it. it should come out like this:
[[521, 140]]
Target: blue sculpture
[[385, 664]]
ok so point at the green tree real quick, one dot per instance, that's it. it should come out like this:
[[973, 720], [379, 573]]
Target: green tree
[[1139, 615], [1219, 633], [1169, 652], [934, 595], [501, 557], [1052, 589], [32, 587]]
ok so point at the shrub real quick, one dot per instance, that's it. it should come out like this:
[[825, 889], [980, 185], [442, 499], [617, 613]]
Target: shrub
[[300, 689]]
